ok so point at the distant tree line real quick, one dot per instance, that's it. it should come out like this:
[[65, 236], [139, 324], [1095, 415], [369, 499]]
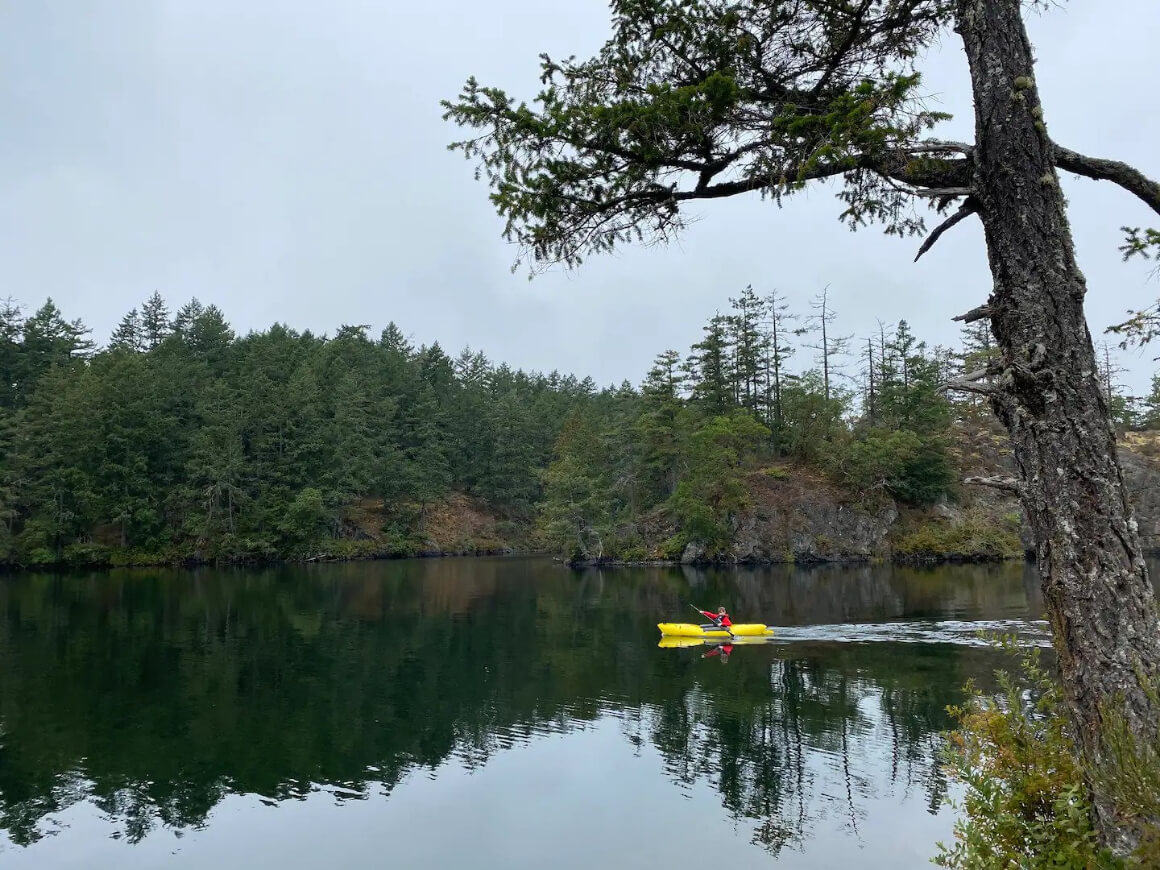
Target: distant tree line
[[183, 440], [874, 416]]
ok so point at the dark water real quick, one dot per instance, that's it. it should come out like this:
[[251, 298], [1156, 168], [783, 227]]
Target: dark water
[[495, 713]]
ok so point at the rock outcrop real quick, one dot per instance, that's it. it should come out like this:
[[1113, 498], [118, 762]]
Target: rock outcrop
[[798, 515]]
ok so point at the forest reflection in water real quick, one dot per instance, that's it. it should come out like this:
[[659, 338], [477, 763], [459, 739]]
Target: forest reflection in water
[[146, 699]]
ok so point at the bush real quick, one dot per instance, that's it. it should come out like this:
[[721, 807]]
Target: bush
[[913, 469], [84, 555], [305, 520], [974, 538], [1026, 803]]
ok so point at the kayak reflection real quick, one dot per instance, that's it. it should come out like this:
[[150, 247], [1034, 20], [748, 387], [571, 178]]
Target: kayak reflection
[[717, 648]]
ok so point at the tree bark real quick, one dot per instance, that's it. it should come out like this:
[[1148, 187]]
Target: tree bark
[[1095, 583]]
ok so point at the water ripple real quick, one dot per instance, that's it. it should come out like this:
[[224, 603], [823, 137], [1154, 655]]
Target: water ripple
[[1030, 632]]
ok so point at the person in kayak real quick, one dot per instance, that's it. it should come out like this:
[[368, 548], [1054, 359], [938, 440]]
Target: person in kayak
[[721, 618]]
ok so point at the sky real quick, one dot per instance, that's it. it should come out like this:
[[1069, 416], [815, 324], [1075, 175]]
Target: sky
[[286, 160]]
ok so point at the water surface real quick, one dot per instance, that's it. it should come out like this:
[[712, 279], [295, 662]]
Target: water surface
[[491, 712]]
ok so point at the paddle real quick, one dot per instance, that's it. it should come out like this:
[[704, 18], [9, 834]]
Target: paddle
[[718, 621]]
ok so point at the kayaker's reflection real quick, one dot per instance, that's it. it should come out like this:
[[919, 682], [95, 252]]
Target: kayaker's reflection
[[722, 650]]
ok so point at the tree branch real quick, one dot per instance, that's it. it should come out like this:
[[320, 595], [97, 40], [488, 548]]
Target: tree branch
[[1007, 484], [978, 313], [966, 211], [970, 382], [932, 146], [1127, 177], [941, 192], [964, 386]]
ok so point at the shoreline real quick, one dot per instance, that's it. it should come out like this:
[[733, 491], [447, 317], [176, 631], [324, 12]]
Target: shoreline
[[116, 560], [324, 558]]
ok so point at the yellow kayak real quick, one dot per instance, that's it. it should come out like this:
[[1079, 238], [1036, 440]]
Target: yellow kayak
[[675, 641], [688, 629]]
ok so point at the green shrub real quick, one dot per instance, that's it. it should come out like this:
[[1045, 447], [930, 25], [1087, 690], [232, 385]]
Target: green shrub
[[305, 520], [973, 538], [82, 555], [634, 553], [1025, 804], [673, 547], [1130, 776]]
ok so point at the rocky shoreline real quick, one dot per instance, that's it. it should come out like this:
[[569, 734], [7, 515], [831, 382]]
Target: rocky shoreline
[[797, 516]]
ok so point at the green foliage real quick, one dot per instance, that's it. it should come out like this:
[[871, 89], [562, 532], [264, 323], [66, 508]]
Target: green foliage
[[976, 537], [879, 463], [306, 519], [1129, 775], [577, 510], [1150, 413], [713, 490], [902, 445], [812, 424], [205, 445], [182, 440], [730, 96], [1143, 326], [1025, 804], [679, 453]]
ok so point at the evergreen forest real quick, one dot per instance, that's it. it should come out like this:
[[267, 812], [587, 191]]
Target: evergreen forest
[[181, 441]]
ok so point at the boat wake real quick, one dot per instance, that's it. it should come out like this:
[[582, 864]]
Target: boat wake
[[1029, 632]]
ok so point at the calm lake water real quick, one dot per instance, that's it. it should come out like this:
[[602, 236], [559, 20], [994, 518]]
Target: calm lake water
[[485, 712]]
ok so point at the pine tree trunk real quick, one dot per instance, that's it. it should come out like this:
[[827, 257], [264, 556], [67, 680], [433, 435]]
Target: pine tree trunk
[[1095, 584]]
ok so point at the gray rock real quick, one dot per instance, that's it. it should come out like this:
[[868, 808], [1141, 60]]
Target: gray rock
[[694, 553], [1142, 480], [820, 529]]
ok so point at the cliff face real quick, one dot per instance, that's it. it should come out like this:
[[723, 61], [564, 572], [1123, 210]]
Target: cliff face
[[797, 515]]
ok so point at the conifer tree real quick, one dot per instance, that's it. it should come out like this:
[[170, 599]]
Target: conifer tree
[[155, 324], [711, 362], [778, 351], [747, 342], [129, 334], [659, 425]]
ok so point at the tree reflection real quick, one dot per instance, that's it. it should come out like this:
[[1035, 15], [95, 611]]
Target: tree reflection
[[154, 695]]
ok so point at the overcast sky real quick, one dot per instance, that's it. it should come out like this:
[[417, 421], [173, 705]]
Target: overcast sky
[[286, 160]]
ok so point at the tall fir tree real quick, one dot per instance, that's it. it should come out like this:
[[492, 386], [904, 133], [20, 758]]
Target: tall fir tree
[[710, 368], [777, 351], [155, 323], [129, 334]]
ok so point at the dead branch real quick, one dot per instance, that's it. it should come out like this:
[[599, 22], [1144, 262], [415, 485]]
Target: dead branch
[[1007, 484], [970, 382], [940, 192], [974, 314], [966, 211]]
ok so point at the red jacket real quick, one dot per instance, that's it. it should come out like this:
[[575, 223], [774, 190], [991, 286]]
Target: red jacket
[[721, 619]]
